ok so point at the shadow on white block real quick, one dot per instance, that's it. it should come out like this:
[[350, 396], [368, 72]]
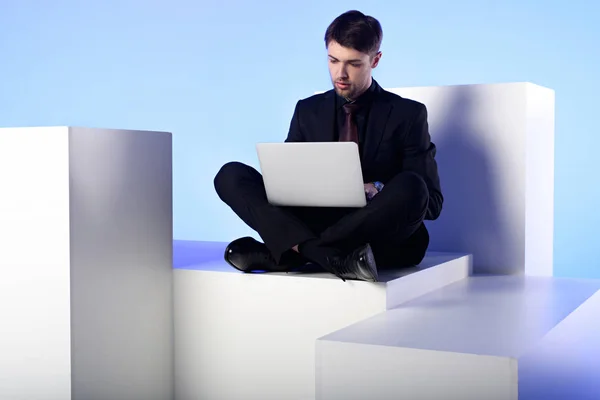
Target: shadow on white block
[[259, 330], [496, 163]]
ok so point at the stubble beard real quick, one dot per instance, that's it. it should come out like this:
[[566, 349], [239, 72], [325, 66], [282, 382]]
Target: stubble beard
[[345, 93]]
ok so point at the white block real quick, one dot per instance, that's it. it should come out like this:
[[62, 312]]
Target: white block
[[463, 341], [348, 371], [252, 336], [565, 364], [86, 264], [496, 164]]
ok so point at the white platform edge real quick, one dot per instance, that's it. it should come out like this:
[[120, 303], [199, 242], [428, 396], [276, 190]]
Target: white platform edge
[[428, 280], [35, 293], [350, 371], [539, 181]]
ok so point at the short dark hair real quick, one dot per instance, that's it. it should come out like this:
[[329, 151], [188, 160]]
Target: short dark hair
[[357, 31]]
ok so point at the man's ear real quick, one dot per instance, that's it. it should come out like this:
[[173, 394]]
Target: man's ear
[[375, 60]]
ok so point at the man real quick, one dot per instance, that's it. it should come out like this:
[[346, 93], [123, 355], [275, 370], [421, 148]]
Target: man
[[398, 163]]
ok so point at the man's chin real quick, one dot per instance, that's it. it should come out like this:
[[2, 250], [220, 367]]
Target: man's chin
[[342, 92]]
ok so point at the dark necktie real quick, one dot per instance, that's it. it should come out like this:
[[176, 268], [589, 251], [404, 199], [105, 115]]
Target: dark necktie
[[349, 132]]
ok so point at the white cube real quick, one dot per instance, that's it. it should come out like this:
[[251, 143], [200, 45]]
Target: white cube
[[479, 338], [496, 164], [86, 264], [252, 336]]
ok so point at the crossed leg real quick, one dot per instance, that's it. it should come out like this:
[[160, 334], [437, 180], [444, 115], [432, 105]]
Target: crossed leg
[[388, 221]]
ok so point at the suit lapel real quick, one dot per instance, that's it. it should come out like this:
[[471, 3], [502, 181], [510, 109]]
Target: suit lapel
[[326, 118], [377, 122]]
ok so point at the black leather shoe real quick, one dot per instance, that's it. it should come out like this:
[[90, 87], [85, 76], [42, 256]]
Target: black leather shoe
[[247, 255], [358, 265]]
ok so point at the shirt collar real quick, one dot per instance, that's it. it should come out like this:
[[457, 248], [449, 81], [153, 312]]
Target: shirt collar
[[361, 99]]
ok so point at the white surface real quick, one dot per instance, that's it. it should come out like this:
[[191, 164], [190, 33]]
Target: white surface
[[259, 330], [35, 345], [356, 372], [539, 223], [436, 271], [495, 156], [86, 288], [565, 364], [121, 264], [480, 325], [497, 316], [302, 174]]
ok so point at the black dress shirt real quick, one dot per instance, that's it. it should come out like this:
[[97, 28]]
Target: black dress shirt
[[361, 117]]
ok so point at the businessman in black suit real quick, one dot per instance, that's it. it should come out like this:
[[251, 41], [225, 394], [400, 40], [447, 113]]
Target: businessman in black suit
[[398, 163]]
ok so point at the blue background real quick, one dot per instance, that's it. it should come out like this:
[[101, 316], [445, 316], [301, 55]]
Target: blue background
[[222, 75]]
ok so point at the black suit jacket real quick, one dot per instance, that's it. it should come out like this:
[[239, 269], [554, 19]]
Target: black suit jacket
[[397, 138]]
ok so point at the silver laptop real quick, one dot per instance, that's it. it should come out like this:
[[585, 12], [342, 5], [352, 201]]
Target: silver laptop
[[313, 174]]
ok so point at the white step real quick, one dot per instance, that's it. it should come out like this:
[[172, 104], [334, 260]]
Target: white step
[[252, 336], [463, 341], [85, 264], [565, 364]]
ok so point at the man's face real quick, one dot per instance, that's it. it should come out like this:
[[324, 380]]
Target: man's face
[[350, 70]]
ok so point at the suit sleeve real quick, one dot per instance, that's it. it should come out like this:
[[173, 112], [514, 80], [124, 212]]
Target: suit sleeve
[[295, 133], [419, 157]]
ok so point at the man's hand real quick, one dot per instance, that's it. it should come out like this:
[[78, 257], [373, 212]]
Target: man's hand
[[370, 191]]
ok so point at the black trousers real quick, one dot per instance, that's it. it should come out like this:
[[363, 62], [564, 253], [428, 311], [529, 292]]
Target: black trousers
[[392, 222]]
